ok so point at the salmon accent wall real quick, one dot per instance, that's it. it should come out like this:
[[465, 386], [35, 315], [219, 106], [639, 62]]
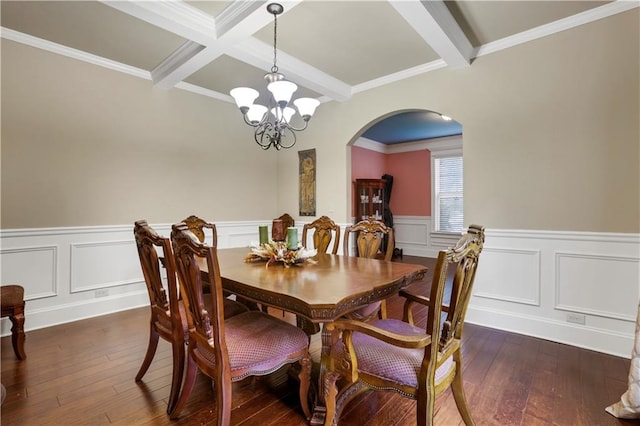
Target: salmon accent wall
[[367, 164], [411, 171], [411, 193]]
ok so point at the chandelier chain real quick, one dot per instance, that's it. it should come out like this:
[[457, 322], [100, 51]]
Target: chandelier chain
[[274, 68]]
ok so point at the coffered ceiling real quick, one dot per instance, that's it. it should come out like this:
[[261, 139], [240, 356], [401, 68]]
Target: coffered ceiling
[[331, 49]]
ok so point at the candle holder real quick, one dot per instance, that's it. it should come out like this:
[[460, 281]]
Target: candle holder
[[292, 238], [264, 234]]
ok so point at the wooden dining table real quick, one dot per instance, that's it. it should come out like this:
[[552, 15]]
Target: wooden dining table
[[318, 291]]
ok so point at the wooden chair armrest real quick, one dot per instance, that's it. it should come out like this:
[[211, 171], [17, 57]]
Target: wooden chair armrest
[[400, 340], [407, 315], [415, 298]]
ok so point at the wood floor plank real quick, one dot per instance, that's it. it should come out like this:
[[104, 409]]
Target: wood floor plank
[[82, 373]]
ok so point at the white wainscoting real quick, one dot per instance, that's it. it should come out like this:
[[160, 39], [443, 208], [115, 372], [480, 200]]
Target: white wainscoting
[[528, 282], [540, 283], [74, 273], [414, 236]]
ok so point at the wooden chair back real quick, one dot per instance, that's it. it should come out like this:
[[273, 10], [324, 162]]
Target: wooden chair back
[[287, 220], [164, 310], [206, 327], [166, 320], [464, 258], [197, 226], [369, 235], [324, 230]]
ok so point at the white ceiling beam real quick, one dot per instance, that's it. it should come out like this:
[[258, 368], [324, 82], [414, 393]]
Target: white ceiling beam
[[434, 23], [177, 17], [230, 33], [237, 21], [254, 52]]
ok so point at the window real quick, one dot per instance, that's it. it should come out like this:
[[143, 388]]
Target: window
[[448, 194]]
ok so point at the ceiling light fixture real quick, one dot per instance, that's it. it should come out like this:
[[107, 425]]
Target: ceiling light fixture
[[272, 124]]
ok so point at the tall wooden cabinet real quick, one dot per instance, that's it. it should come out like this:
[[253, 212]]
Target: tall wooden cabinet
[[370, 199]]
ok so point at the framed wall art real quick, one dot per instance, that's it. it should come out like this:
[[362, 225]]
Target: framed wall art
[[307, 182]]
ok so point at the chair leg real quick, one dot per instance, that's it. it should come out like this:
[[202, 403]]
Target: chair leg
[[305, 382], [224, 399], [187, 387], [178, 372], [151, 352], [17, 334], [458, 392], [425, 405]]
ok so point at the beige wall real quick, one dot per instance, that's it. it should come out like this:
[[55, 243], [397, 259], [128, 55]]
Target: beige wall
[[83, 145], [551, 140], [551, 131]]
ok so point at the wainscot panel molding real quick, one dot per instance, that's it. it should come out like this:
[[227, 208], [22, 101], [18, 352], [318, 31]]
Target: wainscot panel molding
[[415, 237], [576, 288], [73, 273]]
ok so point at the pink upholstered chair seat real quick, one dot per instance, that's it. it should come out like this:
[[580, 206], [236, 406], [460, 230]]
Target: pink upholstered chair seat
[[259, 343], [231, 308], [389, 362]]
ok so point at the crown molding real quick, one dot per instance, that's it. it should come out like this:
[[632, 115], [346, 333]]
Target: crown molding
[[371, 145], [69, 52], [564, 24], [398, 76], [441, 146]]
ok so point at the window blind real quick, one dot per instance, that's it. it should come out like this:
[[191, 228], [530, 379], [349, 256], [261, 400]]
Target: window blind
[[449, 194]]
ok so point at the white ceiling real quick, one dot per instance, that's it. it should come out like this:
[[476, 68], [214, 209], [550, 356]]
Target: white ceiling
[[331, 49]]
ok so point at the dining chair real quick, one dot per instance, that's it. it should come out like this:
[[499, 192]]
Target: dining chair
[[368, 237], [228, 350], [167, 313], [324, 230], [12, 301], [416, 362]]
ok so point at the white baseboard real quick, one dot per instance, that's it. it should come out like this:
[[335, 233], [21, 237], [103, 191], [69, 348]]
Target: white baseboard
[[75, 311], [601, 340]]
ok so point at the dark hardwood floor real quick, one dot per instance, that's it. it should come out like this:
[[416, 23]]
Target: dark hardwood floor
[[82, 373]]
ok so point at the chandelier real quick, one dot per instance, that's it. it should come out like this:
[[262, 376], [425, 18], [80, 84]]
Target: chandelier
[[272, 124]]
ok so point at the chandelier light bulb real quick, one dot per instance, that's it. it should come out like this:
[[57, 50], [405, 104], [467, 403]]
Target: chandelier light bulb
[[281, 114], [256, 113], [244, 97], [306, 107], [282, 91]]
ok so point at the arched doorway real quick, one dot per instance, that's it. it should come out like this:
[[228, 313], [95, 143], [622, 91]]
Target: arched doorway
[[403, 144]]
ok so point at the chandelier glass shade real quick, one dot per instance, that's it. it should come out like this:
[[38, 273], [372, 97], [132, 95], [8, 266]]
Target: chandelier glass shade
[[272, 123]]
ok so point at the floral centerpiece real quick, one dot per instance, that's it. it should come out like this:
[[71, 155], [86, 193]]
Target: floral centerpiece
[[277, 251]]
